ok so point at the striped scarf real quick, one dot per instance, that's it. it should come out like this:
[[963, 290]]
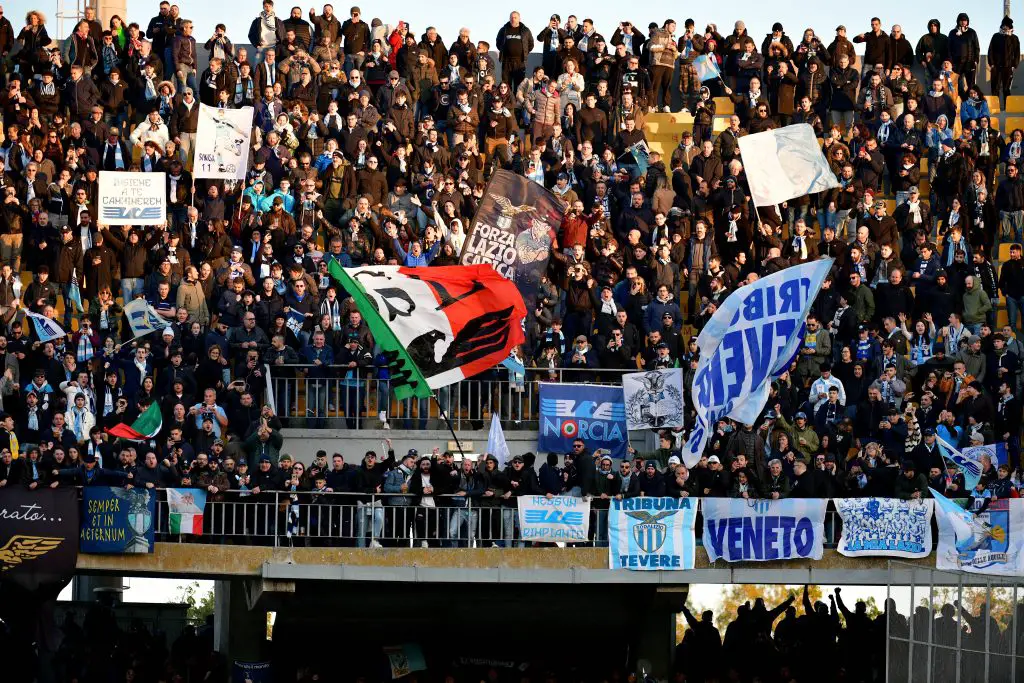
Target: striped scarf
[[85, 350]]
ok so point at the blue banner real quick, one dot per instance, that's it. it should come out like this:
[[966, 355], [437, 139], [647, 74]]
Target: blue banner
[[743, 530], [593, 413], [251, 672], [986, 542], [117, 521], [650, 534]]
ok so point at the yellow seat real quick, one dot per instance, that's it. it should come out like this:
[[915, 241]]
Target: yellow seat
[[1013, 123], [724, 106], [1015, 104], [924, 164], [1002, 318], [890, 206], [993, 104], [1004, 251], [719, 124]]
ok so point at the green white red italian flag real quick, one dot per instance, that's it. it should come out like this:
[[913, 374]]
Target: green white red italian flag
[[436, 326], [185, 511], [146, 427]]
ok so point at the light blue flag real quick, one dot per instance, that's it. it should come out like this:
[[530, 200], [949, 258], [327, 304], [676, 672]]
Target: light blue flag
[[966, 528], [47, 329], [707, 68], [143, 318], [75, 292], [970, 466]]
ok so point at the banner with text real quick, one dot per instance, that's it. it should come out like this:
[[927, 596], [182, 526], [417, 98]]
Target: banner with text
[[742, 530], [38, 549], [132, 198], [251, 672], [561, 519], [885, 527], [117, 521], [987, 542], [593, 413], [650, 534], [752, 337], [222, 143], [513, 230]]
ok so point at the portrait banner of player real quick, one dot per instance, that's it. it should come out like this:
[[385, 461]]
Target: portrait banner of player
[[222, 143], [513, 231]]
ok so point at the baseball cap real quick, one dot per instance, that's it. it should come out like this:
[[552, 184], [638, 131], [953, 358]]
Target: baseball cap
[[800, 416], [714, 458], [674, 460]]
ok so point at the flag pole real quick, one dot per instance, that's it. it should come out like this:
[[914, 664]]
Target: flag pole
[[444, 415]]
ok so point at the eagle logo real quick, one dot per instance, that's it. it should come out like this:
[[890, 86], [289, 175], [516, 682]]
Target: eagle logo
[[20, 549], [507, 209], [650, 533]]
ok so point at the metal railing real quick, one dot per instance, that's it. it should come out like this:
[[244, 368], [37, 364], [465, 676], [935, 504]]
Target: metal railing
[[944, 629], [358, 403], [283, 518]]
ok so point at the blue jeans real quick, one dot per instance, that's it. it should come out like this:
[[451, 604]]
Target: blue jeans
[[462, 526], [365, 512], [131, 287], [1013, 308], [317, 391], [69, 308], [1010, 223]]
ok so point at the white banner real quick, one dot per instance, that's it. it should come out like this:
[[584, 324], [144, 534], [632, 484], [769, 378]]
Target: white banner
[[132, 198], [742, 530], [885, 527], [785, 163], [654, 399], [561, 519], [752, 337], [989, 542], [222, 143]]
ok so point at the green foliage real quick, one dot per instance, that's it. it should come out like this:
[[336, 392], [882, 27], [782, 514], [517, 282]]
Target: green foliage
[[200, 606]]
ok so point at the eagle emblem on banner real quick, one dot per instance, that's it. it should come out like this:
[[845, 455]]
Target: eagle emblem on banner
[[20, 549]]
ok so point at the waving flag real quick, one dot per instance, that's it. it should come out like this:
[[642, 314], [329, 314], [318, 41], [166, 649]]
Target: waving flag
[[785, 163], [185, 511], [496, 444], [707, 68], [751, 338], [143, 318], [146, 427], [986, 542], [970, 466], [75, 292], [46, 328], [436, 326]]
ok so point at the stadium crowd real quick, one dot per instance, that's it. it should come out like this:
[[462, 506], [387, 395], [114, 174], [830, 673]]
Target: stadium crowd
[[372, 144]]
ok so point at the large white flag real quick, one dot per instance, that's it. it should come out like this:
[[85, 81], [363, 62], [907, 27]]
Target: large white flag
[[222, 143], [143, 318], [751, 338], [46, 328], [785, 163], [496, 444]]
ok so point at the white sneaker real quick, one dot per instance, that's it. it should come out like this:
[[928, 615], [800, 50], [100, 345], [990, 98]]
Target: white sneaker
[[651, 110], [424, 544], [684, 110], [494, 545], [375, 544], [667, 110]]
